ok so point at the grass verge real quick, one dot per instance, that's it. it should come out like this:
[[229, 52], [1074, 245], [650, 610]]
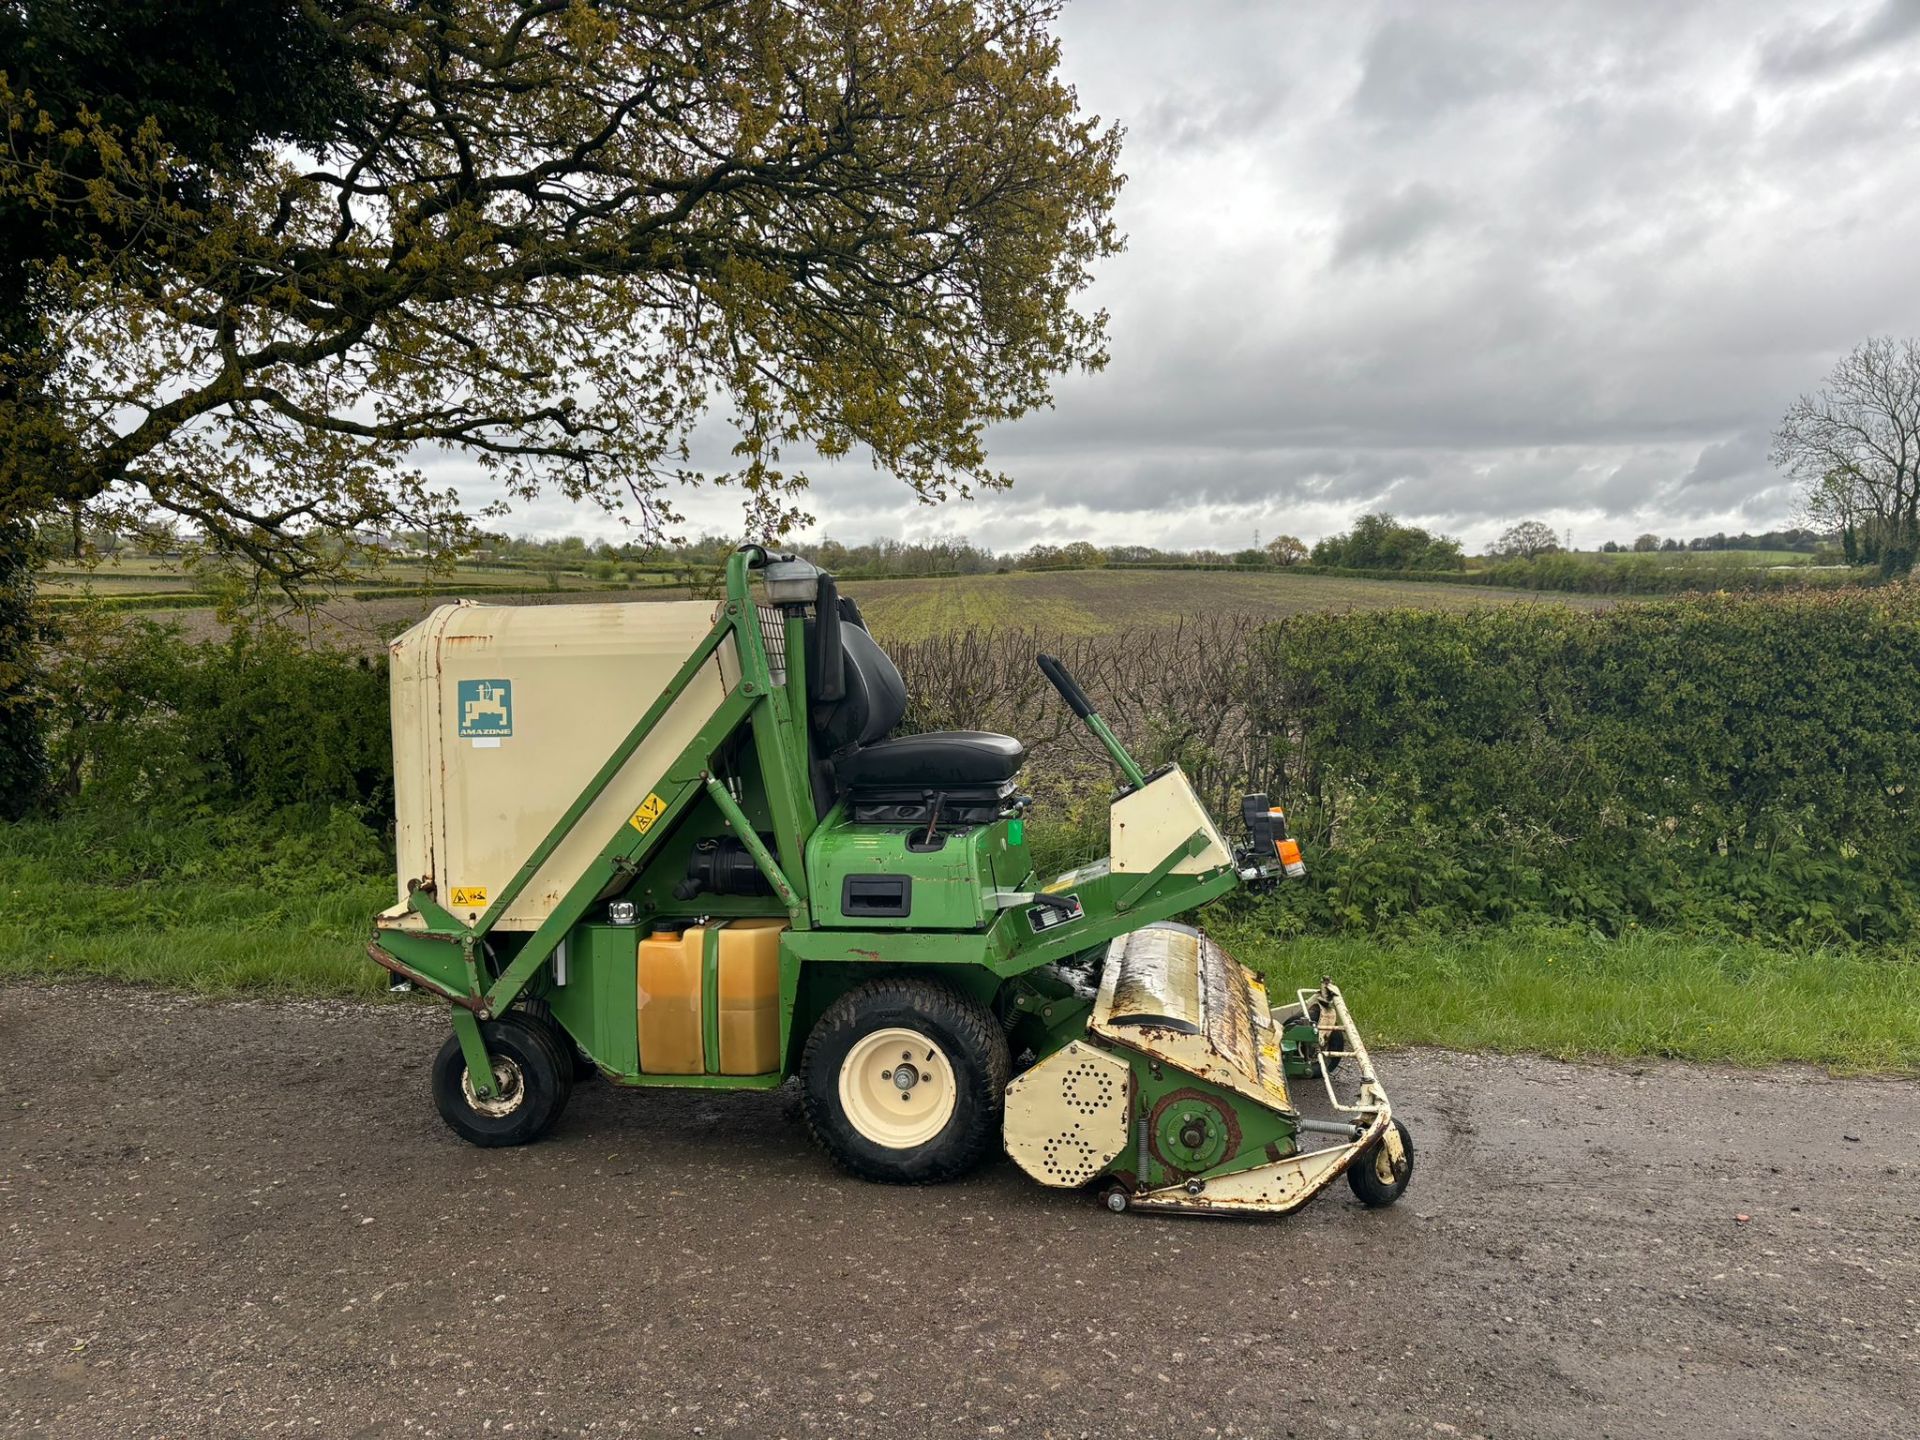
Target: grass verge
[[279, 905], [1561, 992], [218, 905]]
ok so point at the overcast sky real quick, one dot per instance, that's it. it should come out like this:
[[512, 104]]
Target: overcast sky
[[1472, 263]]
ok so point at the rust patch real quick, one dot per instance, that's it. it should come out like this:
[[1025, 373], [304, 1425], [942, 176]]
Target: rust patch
[[388, 961], [867, 954]]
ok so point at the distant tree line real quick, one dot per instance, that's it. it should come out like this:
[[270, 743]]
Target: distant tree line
[[1378, 542], [1800, 540]]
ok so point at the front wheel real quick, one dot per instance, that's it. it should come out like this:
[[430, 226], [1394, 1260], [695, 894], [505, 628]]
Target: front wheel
[[1378, 1175], [903, 1081]]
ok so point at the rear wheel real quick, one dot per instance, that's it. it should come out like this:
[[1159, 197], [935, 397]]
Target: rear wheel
[[574, 1062], [903, 1081], [530, 1085], [1377, 1175]]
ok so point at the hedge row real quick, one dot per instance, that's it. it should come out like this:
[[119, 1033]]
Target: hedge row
[[1728, 764], [1736, 762], [1623, 575]]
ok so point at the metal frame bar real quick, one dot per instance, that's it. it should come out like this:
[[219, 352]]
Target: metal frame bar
[[1186, 850], [626, 851], [473, 1049], [756, 847], [710, 996], [1372, 1097], [615, 763]]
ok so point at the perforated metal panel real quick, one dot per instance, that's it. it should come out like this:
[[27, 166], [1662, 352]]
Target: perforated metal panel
[[1066, 1118]]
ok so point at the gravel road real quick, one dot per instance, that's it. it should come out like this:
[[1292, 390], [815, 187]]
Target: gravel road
[[245, 1218]]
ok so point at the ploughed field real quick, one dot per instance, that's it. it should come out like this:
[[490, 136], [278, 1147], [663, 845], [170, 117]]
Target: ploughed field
[[1065, 603]]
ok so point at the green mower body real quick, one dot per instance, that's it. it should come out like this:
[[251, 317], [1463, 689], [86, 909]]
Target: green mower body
[[680, 845]]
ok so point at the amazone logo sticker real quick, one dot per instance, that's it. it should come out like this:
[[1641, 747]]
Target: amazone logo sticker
[[651, 809], [469, 896], [486, 708]]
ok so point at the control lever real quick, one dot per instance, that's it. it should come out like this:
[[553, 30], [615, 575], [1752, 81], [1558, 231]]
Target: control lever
[[1078, 702]]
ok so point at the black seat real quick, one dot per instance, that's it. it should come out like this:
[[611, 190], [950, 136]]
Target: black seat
[[957, 758], [852, 734]]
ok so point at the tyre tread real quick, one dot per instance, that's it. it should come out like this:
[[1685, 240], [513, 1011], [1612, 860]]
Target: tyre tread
[[973, 1026]]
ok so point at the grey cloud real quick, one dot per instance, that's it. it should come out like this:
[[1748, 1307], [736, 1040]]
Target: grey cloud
[[1816, 50], [1728, 463], [1387, 226], [1414, 70], [1473, 263], [1196, 120]]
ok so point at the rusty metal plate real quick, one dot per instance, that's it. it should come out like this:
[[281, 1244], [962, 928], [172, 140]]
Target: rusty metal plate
[[1169, 992]]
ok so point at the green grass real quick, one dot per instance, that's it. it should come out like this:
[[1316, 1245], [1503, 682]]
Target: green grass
[[214, 905], [1564, 993], [233, 905]]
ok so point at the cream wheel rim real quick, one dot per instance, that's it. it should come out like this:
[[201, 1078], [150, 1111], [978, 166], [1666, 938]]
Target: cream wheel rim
[[896, 1088], [510, 1089]]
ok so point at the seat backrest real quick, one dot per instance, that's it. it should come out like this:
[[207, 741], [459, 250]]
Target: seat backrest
[[876, 697]]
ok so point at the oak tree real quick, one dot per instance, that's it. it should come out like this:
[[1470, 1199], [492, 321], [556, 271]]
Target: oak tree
[[551, 235], [1526, 540], [1286, 550]]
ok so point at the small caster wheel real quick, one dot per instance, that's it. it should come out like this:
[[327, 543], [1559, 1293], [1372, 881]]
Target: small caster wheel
[[1378, 1175], [532, 1088], [1116, 1200]]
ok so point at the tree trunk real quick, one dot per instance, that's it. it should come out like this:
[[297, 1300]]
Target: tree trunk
[[22, 742]]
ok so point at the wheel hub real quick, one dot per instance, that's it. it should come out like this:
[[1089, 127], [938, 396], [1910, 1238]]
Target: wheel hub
[[1191, 1131], [509, 1090], [897, 1088]]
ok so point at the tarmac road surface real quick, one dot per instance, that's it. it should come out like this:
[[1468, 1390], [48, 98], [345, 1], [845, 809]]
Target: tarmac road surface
[[246, 1219]]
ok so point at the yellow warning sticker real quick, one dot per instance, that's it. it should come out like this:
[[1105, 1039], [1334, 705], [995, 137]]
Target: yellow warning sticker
[[468, 896], [651, 809]]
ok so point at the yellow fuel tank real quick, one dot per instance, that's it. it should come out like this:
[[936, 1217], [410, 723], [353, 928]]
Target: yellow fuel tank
[[750, 997], [742, 986], [671, 1041]]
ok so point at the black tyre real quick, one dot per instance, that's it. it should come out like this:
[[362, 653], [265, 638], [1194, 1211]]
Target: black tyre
[[1378, 1179], [1336, 1040], [576, 1065], [533, 1084], [903, 1080]]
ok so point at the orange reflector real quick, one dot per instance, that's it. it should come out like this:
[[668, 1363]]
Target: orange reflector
[[1289, 852]]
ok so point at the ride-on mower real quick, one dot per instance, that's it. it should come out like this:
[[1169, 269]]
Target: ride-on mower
[[679, 843]]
